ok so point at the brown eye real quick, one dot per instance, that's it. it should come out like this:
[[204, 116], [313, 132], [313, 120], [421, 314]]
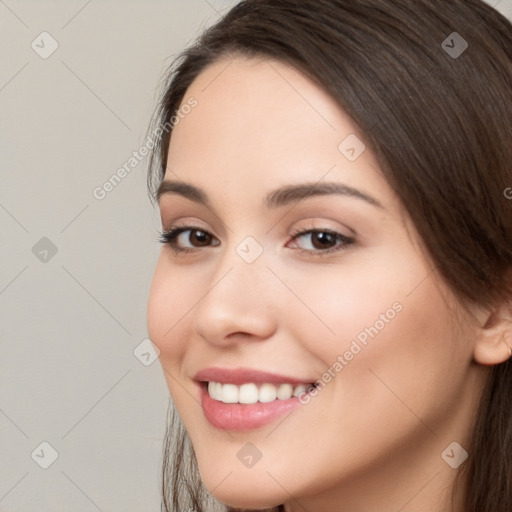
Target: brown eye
[[199, 238], [323, 240], [187, 238], [318, 241]]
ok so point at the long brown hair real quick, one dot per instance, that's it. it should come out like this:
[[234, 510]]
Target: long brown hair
[[429, 85]]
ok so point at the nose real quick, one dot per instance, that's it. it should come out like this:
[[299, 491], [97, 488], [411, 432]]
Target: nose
[[239, 304]]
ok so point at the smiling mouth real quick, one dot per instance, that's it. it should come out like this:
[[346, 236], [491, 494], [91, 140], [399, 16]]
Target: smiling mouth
[[251, 393]]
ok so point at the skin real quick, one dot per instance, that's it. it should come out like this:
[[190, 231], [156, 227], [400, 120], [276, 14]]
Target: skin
[[372, 438]]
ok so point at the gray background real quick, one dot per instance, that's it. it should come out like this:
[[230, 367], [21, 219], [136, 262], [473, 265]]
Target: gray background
[[71, 321], [69, 325]]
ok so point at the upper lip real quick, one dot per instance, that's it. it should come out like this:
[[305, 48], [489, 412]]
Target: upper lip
[[243, 376]]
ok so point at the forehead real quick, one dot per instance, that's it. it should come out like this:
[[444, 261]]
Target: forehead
[[259, 124], [260, 104]]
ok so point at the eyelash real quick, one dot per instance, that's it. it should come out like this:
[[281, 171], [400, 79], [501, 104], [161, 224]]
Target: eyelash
[[169, 238]]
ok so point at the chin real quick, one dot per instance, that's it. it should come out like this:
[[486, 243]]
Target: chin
[[243, 489], [243, 501]]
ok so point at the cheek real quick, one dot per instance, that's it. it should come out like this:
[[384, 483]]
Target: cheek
[[171, 297], [380, 320], [358, 300]]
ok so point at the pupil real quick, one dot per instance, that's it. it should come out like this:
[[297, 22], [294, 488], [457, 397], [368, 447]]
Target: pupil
[[199, 237], [321, 240]]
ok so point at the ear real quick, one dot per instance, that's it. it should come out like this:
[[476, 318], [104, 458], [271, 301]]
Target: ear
[[494, 338]]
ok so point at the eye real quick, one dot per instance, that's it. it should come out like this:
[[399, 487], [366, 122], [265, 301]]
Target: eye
[[321, 241], [187, 238]]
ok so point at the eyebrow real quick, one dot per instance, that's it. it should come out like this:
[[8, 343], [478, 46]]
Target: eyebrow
[[280, 197]]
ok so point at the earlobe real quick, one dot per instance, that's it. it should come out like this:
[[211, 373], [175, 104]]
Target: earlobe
[[491, 354], [494, 341]]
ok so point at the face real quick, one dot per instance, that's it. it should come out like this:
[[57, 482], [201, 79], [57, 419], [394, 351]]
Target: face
[[290, 261]]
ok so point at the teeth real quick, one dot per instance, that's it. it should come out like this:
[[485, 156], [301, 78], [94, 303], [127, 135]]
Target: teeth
[[229, 393], [250, 393], [284, 391], [247, 394], [299, 390], [268, 393]]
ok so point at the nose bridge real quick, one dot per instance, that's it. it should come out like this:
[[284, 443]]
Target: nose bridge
[[242, 270], [238, 298]]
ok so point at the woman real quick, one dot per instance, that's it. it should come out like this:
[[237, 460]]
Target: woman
[[333, 299]]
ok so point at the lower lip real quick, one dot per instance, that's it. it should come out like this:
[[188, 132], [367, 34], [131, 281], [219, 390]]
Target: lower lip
[[239, 417]]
